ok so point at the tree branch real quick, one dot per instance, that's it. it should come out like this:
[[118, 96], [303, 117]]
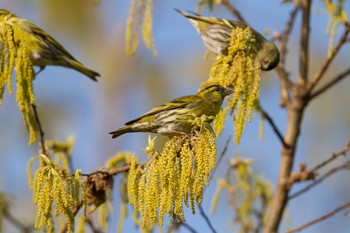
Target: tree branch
[[114, 171], [318, 76], [207, 220], [330, 214], [75, 211], [93, 228], [273, 125], [17, 223], [319, 180], [294, 121], [233, 11], [188, 227], [223, 152], [338, 78], [41, 131], [285, 83]]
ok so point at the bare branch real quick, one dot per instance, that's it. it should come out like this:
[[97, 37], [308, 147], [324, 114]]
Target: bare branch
[[330, 214], [188, 227], [23, 228], [304, 43], [233, 11], [223, 152], [207, 220], [75, 211], [318, 75], [114, 171], [338, 78], [93, 228], [285, 82], [41, 131], [294, 121], [319, 180], [273, 125]]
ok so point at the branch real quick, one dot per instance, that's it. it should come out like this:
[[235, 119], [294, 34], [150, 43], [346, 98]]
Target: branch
[[330, 214], [233, 11], [17, 223], [273, 125], [223, 152], [285, 83], [294, 121], [304, 43], [206, 218], [114, 171], [318, 76], [75, 211], [319, 180], [188, 227], [41, 131], [338, 78], [93, 228]]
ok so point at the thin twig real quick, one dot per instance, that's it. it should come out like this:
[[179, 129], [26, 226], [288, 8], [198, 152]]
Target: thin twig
[[223, 152], [41, 131], [114, 171], [274, 126], [318, 75], [75, 211], [207, 220], [234, 11], [188, 227], [320, 179], [93, 228], [17, 223], [338, 78], [304, 43], [333, 157], [285, 82], [330, 214]]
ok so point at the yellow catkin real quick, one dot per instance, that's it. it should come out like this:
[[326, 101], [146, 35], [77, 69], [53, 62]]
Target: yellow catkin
[[122, 216], [240, 69], [174, 177], [147, 28]]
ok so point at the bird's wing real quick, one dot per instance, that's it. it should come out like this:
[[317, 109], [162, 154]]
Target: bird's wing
[[56, 46], [180, 102]]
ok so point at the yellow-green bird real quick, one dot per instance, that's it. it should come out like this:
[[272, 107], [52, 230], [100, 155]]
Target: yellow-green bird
[[216, 34], [42, 48], [176, 117]]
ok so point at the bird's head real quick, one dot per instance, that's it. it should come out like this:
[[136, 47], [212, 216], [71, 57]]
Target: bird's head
[[215, 93], [269, 56]]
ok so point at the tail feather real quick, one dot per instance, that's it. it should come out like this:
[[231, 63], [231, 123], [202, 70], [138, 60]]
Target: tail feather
[[120, 131], [84, 70]]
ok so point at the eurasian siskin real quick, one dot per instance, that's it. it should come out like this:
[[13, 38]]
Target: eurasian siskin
[[43, 50], [216, 34], [177, 116]]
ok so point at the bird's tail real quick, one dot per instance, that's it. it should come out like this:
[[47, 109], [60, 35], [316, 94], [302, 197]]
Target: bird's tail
[[120, 131], [84, 70]]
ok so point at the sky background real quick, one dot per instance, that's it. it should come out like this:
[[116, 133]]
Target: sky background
[[71, 104]]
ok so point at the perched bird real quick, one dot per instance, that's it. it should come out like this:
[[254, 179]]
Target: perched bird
[[176, 117], [216, 34], [42, 48]]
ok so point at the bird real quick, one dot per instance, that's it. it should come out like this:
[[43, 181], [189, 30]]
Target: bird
[[43, 50], [175, 118], [216, 34]]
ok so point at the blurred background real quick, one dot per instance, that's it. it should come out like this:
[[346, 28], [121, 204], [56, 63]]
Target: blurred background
[[71, 104]]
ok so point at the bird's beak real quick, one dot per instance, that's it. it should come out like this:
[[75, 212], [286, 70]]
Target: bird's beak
[[228, 92]]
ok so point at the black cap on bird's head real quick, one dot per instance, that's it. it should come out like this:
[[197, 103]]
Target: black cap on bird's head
[[216, 88]]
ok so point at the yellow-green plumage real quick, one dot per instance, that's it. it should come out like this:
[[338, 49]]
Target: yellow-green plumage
[[216, 36], [176, 117], [43, 49]]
